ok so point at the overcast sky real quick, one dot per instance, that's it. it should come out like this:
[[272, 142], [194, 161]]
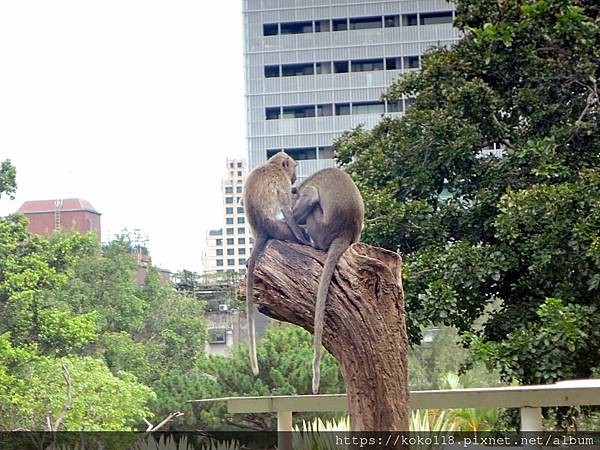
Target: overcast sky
[[131, 104]]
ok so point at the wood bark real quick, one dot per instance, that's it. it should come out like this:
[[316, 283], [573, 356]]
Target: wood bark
[[365, 328]]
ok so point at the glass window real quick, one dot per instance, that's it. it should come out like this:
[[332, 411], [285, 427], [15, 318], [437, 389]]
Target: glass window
[[252, 240], [241, 241], [219, 262], [229, 230], [340, 66], [270, 29], [325, 110], [393, 63], [434, 18], [229, 189], [366, 65], [239, 165], [368, 108], [238, 189], [229, 200], [326, 152], [231, 262], [241, 230], [219, 252], [231, 251], [302, 153], [409, 20], [342, 109], [241, 220], [219, 241], [392, 21], [217, 336], [322, 25], [294, 70], [339, 24], [242, 261], [229, 210], [239, 175], [395, 106], [271, 71], [240, 210], [324, 67], [296, 27], [230, 241], [298, 112], [229, 220], [411, 62], [272, 113], [363, 23], [241, 251]]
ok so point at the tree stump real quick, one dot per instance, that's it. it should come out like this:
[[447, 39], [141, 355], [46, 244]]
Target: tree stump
[[364, 326]]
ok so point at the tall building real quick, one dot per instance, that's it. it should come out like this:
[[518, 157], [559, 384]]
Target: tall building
[[228, 247], [71, 214], [317, 68]]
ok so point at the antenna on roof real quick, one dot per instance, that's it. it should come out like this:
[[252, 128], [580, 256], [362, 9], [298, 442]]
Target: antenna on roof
[[57, 206]]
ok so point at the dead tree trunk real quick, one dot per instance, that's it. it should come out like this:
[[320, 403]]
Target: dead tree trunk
[[364, 328]]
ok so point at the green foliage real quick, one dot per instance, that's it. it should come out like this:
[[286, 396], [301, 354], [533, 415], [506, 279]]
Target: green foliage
[[284, 356], [8, 179], [475, 229]]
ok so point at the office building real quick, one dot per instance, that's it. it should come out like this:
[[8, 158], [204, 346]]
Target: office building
[[317, 68], [228, 248]]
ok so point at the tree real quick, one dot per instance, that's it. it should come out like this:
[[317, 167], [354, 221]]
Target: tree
[[522, 230], [284, 356]]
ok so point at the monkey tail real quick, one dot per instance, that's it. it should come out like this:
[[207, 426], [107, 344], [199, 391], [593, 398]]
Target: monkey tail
[[259, 246], [336, 250]]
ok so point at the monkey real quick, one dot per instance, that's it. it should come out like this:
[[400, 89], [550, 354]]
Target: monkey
[[330, 206], [266, 195]]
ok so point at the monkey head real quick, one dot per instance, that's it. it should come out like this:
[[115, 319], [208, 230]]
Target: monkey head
[[286, 162]]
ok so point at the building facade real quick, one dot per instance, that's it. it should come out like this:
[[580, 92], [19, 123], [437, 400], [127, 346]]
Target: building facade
[[228, 247], [317, 68], [71, 214]]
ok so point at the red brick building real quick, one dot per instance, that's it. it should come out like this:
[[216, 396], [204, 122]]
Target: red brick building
[[71, 214]]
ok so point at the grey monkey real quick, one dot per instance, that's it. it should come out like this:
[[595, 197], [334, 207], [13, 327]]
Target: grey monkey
[[330, 205], [266, 194]]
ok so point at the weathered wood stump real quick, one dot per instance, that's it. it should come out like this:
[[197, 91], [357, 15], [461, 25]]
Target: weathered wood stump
[[364, 322]]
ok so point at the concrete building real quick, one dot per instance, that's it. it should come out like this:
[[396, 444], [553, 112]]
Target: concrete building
[[71, 214], [317, 68], [228, 248]]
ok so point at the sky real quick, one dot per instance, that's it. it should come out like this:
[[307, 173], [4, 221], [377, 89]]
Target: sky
[[133, 105]]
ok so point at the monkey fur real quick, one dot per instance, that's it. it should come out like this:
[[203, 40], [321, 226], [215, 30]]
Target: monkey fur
[[266, 194], [329, 204]]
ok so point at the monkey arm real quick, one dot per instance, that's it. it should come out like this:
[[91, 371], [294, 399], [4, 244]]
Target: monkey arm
[[285, 202], [305, 204]]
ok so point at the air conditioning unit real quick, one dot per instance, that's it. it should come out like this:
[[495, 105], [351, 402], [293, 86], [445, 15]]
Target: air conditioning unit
[[223, 307]]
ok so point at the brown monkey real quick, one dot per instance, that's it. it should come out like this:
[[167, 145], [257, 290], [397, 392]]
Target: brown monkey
[[330, 205], [266, 194]]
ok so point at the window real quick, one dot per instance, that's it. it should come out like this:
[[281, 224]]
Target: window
[[219, 241], [229, 210], [251, 240], [238, 199], [271, 71], [217, 336], [230, 251], [298, 112], [409, 20], [241, 220], [293, 70], [229, 230], [324, 67], [238, 189], [322, 25], [270, 29], [239, 164], [219, 262], [219, 252], [325, 110], [297, 154], [229, 200], [242, 261], [239, 175], [395, 106], [230, 241], [241, 230], [296, 27], [272, 113], [231, 262], [393, 63], [340, 24], [411, 62], [366, 65], [363, 23], [434, 18], [240, 210], [340, 66], [241, 241], [391, 21], [228, 189], [326, 152], [220, 271], [229, 221], [368, 108], [241, 251], [342, 109]]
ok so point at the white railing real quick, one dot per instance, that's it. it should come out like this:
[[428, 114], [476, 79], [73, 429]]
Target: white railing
[[529, 399]]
